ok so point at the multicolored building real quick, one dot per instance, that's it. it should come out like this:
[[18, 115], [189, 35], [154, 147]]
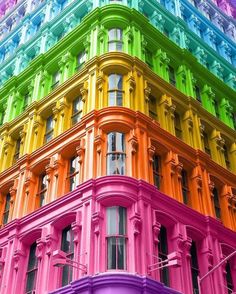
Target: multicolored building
[[117, 146]]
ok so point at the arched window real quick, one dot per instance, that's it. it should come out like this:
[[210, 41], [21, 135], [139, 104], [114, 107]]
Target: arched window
[[115, 90], [116, 153], [116, 237], [162, 254], [32, 269], [115, 42], [67, 245]]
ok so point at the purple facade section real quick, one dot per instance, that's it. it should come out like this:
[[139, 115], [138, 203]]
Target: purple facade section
[[115, 284]]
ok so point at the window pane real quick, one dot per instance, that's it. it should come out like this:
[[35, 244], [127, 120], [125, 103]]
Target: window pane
[[122, 220], [111, 221], [112, 34], [116, 164], [111, 253], [119, 99], [30, 281], [111, 99], [121, 253], [32, 258], [112, 81], [119, 82]]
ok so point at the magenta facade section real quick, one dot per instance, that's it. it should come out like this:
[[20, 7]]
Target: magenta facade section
[[85, 210], [115, 284]]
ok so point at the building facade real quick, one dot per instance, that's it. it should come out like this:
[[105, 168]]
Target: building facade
[[117, 146]]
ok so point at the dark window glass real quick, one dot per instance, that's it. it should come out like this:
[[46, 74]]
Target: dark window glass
[[76, 110], [198, 94], [17, 150], [152, 107], [116, 154], [55, 80], [216, 203], [115, 42], [229, 281], [185, 188], [227, 161], [194, 267], [42, 189], [178, 128], [31, 274], [116, 237], [67, 245], [149, 58], [206, 143], [157, 170], [74, 173], [6, 209], [162, 254], [172, 76], [115, 90], [49, 129], [26, 101], [216, 107]]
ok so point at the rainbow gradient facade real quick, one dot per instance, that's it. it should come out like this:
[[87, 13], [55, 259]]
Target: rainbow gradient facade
[[117, 146]]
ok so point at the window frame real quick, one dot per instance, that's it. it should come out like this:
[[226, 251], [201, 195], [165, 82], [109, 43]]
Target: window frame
[[116, 90], [185, 186], [69, 254], [163, 255], [48, 136], [73, 175], [16, 155], [42, 189], [81, 56], [117, 236], [157, 171], [77, 115], [116, 41], [7, 207], [216, 203], [172, 76], [116, 153], [55, 79], [34, 269]]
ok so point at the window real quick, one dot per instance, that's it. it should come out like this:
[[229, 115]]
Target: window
[[229, 281], [49, 129], [115, 42], [216, 108], [184, 184], [67, 245], [216, 202], [152, 107], [17, 150], [198, 94], [6, 209], [116, 238], [178, 129], [194, 267], [157, 171], [148, 58], [116, 153], [81, 59], [55, 80], [31, 274], [2, 114], [162, 254], [42, 189], [206, 143], [227, 161], [77, 106], [115, 92], [26, 101], [172, 79], [74, 173]]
